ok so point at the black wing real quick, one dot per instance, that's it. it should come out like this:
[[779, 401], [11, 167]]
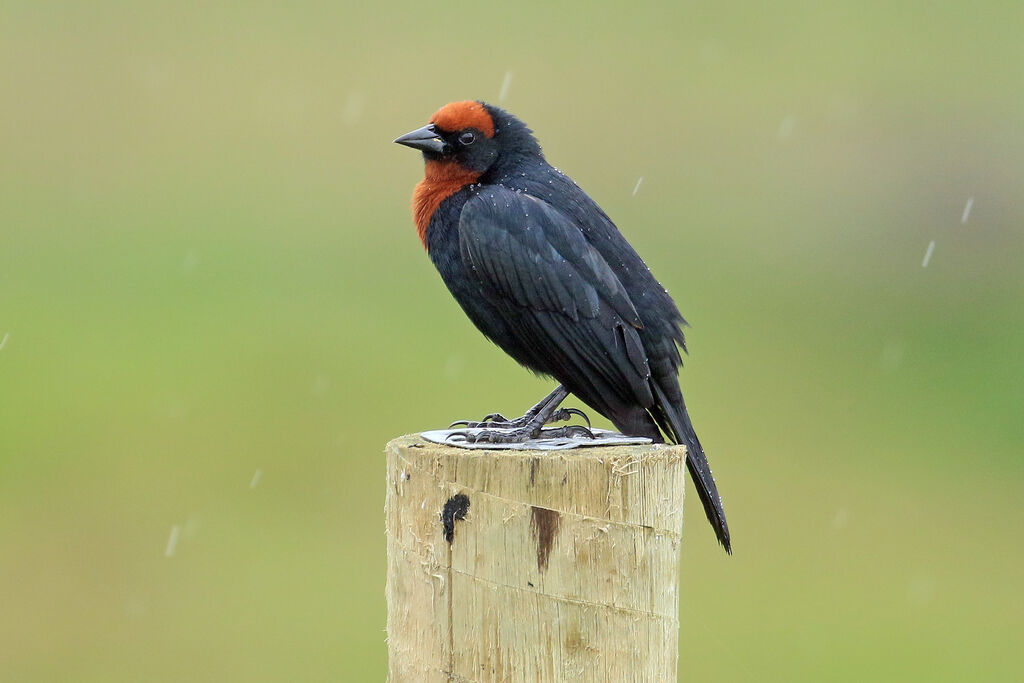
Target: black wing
[[567, 303]]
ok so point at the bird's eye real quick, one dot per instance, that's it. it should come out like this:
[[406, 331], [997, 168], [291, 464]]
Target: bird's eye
[[467, 138]]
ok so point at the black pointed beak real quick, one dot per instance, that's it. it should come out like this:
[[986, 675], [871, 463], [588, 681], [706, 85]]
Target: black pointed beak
[[426, 139]]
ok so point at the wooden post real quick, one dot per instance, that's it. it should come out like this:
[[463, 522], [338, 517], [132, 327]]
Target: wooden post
[[533, 566]]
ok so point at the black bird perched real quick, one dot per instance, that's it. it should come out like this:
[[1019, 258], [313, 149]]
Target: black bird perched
[[543, 272]]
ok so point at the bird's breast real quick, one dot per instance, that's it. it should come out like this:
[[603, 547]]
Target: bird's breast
[[441, 180]]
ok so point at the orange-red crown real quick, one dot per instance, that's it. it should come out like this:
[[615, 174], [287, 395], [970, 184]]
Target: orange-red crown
[[459, 115]]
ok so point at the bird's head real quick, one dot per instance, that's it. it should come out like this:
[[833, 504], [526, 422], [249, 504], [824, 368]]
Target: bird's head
[[471, 135]]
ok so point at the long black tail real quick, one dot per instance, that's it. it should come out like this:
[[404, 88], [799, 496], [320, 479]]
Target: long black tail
[[681, 430]]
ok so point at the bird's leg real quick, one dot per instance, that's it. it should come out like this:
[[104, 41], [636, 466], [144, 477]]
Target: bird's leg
[[528, 426]]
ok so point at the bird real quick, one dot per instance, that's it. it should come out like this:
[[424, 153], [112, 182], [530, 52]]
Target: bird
[[543, 272]]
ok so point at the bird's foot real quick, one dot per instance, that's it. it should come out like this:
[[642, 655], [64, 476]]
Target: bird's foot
[[496, 428], [529, 432], [499, 421]]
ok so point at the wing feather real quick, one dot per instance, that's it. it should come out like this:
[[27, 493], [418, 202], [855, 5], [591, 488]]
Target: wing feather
[[537, 266]]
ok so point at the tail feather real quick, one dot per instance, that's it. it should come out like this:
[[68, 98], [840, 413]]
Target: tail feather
[[676, 422]]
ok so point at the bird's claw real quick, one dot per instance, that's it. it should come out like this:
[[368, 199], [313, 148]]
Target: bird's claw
[[568, 432], [490, 420], [567, 413]]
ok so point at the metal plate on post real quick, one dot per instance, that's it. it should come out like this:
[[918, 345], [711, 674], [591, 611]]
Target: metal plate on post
[[602, 437]]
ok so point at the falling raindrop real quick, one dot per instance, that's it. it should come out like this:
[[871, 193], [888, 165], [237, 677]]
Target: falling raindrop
[[172, 542], [503, 93], [967, 210], [928, 254]]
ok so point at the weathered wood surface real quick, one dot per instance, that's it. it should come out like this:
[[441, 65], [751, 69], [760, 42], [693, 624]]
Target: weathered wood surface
[[564, 568]]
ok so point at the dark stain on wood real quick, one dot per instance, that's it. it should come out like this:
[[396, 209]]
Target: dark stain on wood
[[543, 527], [533, 470], [455, 508]]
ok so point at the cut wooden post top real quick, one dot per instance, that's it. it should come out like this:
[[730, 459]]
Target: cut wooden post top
[[597, 482]]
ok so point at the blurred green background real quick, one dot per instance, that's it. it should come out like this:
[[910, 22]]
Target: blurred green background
[[215, 313]]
